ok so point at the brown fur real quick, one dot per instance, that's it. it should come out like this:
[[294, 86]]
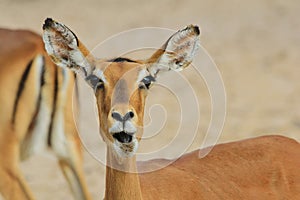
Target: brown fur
[[259, 168], [17, 49]]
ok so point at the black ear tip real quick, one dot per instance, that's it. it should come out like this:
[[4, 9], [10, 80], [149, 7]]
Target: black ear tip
[[197, 30], [48, 23]]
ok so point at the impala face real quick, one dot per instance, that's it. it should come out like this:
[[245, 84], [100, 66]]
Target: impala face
[[121, 88], [120, 84]]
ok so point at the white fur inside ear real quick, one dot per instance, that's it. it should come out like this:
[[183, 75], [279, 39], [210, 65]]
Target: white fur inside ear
[[179, 51], [56, 49], [68, 36], [61, 45], [77, 58], [47, 41]]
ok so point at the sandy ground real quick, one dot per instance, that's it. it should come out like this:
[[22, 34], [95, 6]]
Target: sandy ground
[[255, 45]]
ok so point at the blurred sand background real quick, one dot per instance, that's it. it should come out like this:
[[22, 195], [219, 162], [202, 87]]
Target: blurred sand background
[[255, 45]]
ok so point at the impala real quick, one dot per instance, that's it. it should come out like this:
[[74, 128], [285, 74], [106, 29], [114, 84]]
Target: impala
[[36, 113], [260, 168]]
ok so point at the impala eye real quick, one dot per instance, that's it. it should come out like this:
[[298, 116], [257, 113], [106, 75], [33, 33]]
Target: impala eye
[[146, 82], [99, 85], [95, 82]]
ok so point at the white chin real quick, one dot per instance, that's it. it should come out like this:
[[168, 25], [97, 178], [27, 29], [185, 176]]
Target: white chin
[[125, 150]]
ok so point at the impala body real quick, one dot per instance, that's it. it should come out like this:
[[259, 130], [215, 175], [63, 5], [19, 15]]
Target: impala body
[[36, 113], [261, 168]]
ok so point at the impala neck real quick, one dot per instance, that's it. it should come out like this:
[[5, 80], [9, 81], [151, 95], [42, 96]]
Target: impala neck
[[121, 184]]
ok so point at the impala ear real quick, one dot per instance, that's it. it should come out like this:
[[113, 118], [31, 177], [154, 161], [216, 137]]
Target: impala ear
[[65, 49], [177, 53]]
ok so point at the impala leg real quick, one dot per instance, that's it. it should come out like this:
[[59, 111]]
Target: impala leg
[[12, 183], [70, 161], [75, 178], [64, 139]]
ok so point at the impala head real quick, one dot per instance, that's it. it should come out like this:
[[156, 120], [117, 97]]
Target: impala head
[[120, 84]]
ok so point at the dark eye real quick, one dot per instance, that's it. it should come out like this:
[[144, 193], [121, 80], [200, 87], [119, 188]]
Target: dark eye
[[99, 85], [146, 82], [95, 82]]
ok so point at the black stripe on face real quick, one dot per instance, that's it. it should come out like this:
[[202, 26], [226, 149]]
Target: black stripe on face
[[55, 91], [20, 90], [120, 59]]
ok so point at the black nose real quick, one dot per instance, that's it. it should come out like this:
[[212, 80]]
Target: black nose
[[128, 116], [117, 116]]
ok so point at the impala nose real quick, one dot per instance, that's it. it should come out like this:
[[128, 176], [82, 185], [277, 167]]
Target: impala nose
[[117, 116], [123, 130]]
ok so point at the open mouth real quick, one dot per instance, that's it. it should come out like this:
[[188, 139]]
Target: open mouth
[[123, 137]]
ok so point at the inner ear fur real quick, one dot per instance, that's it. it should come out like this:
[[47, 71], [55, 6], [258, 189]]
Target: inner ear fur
[[177, 53], [65, 49]]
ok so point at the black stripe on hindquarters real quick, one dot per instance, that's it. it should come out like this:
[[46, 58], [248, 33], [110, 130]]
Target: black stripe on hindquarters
[[20, 90], [42, 83], [55, 91]]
